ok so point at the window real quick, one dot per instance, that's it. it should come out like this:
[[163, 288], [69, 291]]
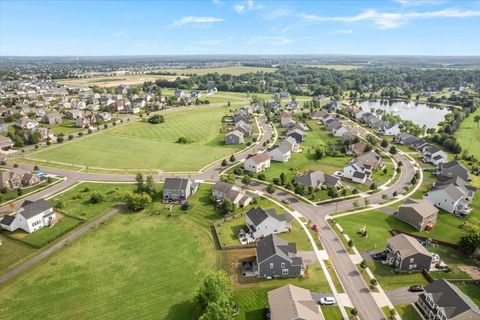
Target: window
[[271, 265], [285, 272], [411, 260], [282, 265]]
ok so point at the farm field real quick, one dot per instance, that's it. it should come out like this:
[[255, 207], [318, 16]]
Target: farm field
[[469, 135], [141, 145], [136, 79]]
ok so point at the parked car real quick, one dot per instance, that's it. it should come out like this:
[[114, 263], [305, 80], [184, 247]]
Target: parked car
[[327, 301], [415, 288], [286, 201], [380, 255]]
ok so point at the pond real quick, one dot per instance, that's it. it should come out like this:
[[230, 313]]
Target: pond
[[418, 113]]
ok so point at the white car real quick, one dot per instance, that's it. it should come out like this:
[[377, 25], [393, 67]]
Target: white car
[[327, 300]]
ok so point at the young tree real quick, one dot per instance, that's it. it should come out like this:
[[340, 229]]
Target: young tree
[[476, 119], [364, 264], [350, 243], [214, 286], [261, 177], [384, 143], [246, 180], [96, 197], [373, 283], [137, 201], [271, 188], [227, 206], [139, 182], [283, 178], [232, 158], [150, 186], [224, 163], [393, 149]]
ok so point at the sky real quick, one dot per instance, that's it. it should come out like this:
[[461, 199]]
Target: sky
[[395, 27]]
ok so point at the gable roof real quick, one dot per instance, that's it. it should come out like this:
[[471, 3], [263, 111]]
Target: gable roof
[[258, 215], [423, 208], [259, 157], [291, 302], [272, 245], [453, 301], [314, 178], [31, 209], [406, 245], [175, 183], [7, 220]]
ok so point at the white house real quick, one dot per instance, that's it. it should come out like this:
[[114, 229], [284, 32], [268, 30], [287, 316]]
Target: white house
[[389, 129], [257, 163], [30, 217], [356, 172], [263, 223], [434, 154], [280, 153], [236, 195], [450, 198], [291, 143], [339, 132]]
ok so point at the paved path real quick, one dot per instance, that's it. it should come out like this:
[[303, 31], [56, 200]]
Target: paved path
[[57, 246]]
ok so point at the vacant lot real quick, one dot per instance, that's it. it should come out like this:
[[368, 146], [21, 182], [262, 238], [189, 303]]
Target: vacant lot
[[142, 145], [135, 79], [469, 135]]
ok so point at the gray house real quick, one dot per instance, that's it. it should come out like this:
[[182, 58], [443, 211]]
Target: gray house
[[406, 254], [296, 134], [178, 189], [291, 302], [276, 258], [234, 137], [453, 169], [3, 126], [52, 118], [444, 301], [317, 179], [420, 214]]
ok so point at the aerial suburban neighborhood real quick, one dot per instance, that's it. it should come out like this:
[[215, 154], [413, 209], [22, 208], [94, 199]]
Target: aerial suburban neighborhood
[[222, 160]]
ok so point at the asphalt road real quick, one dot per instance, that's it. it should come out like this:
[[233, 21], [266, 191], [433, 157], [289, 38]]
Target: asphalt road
[[347, 272]]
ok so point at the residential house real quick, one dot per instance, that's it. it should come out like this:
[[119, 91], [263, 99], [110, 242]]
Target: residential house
[[86, 121], [372, 158], [349, 135], [52, 118], [405, 139], [30, 217], [258, 162], [29, 179], [281, 95], [291, 143], [287, 122], [297, 134], [262, 223], [10, 180], [292, 105], [234, 137], [46, 134], [406, 254], [276, 258], [442, 300], [3, 126], [293, 303], [333, 125], [6, 143], [420, 214], [317, 179], [104, 116], [223, 190], [245, 129], [357, 148], [453, 169], [389, 129], [26, 123], [449, 197], [179, 93], [360, 169], [280, 153], [467, 190], [433, 154], [73, 114], [178, 189], [318, 114], [339, 132]]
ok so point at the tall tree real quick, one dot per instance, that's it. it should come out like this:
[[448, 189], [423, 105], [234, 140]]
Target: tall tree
[[140, 182]]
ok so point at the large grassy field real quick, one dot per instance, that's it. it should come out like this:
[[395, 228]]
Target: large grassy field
[[136, 79], [469, 135], [141, 145], [135, 265]]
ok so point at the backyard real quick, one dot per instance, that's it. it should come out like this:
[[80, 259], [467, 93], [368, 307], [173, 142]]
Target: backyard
[[141, 145]]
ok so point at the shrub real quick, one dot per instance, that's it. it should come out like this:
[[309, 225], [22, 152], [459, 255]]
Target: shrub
[[96, 197], [70, 136], [184, 140], [156, 119], [261, 177], [137, 201], [59, 139]]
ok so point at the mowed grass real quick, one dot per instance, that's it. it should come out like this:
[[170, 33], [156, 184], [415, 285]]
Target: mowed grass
[[469, 135], [12, 251], [141, 145]]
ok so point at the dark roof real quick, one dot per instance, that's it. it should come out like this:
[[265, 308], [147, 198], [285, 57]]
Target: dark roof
[[175, 184], [313, 179], [272, 245], [7, 220], [30, 209], [450, 298], [359, 175], [258, 215]]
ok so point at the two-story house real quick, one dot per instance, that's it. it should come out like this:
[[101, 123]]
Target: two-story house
[[276, 258]]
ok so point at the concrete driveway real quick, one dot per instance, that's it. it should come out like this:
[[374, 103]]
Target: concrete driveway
[[402, 296]]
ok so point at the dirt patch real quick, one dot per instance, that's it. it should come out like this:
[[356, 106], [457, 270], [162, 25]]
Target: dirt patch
[[473, 272]]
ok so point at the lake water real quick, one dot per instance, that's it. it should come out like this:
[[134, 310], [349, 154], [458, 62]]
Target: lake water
[[420, 114]]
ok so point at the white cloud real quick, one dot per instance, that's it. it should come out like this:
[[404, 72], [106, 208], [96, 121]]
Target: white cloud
[[273, 40], [342, 31], [239, 8], [277, 13], [195, 20], [391, 20], [419, 2], [120, 34]]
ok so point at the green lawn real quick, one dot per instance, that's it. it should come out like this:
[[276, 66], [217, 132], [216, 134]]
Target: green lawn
[[407, 312], [331, 313], [471, 290], [45, 235], [66, 127], [469, 135], [76, 201], [141, 145], [12, 251], [388, 279]]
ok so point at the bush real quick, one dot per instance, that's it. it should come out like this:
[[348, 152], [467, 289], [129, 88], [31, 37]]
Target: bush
[[246, 180], [271, 188], [224, 163], [70, 136], [80, 134], [96, 197], [59, 139], [261, 177], [156, 119], [137, 201], [184, 140], [238, 171]]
